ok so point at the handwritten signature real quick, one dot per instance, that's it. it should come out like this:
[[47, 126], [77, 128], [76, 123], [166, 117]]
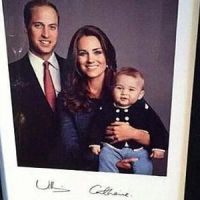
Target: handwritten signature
[[50, 185], [98, 189]]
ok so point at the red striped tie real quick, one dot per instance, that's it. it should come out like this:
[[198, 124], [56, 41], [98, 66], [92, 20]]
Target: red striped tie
[[48, 86]]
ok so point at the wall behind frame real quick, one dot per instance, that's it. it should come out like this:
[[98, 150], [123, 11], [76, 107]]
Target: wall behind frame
[[193, 161], [143, 33]]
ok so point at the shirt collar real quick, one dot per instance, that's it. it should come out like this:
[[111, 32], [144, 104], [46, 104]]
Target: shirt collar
[[52, 60], [121, 107]]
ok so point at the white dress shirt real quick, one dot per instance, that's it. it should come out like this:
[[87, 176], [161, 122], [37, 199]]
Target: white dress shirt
[[37, 64]]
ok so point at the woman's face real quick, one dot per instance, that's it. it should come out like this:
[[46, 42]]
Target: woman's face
[[91, 57]]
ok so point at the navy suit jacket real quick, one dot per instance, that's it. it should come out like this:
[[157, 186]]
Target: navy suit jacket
[[35, 123]]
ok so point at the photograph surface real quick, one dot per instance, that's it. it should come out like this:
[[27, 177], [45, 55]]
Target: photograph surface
[[94, 87]]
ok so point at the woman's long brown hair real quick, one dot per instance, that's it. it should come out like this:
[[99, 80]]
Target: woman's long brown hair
[[75, 95]]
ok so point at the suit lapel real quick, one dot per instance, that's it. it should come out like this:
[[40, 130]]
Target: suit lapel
[[34, 89]]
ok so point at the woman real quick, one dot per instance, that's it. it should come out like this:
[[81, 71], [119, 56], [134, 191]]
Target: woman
[[91, 63]]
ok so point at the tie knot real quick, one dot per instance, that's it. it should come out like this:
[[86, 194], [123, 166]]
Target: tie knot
[[46, 64]]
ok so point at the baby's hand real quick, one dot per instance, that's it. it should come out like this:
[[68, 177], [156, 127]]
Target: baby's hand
[[95, 149], [157, 153]]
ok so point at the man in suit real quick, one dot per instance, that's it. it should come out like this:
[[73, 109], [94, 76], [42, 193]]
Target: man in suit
[[34, 89]]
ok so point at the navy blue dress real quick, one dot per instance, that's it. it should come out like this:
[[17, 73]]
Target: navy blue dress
[[74, 135]]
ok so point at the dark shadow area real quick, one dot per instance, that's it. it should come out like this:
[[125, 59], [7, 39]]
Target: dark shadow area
[[1, 197], [192, 189]]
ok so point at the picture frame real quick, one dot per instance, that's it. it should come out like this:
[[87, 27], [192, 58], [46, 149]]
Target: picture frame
[[38, 183]]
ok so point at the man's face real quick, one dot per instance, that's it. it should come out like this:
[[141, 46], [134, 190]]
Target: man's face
[[43, 31]]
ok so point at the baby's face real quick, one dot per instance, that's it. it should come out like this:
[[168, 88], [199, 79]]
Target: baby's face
[[127, 90]]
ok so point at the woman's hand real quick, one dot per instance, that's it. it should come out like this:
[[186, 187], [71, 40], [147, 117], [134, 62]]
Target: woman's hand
[[126, 164], [122, 131], [118, 131]]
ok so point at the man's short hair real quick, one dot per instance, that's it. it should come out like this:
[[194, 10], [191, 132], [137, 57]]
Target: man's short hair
[[34, 3]]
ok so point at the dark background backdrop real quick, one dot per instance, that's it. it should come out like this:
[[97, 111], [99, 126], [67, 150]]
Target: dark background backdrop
[[143, 33]]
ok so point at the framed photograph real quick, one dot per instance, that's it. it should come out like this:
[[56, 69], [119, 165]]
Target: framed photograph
[[156, 37]]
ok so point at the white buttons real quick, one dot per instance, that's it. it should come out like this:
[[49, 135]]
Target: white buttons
[[126, 118], [117, 110], [126, 144], [117, 119]]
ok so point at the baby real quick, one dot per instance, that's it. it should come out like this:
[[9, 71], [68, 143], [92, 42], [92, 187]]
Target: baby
[[128, 106]]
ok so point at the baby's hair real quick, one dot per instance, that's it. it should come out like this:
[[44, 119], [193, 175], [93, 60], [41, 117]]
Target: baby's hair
[[129, 71]]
